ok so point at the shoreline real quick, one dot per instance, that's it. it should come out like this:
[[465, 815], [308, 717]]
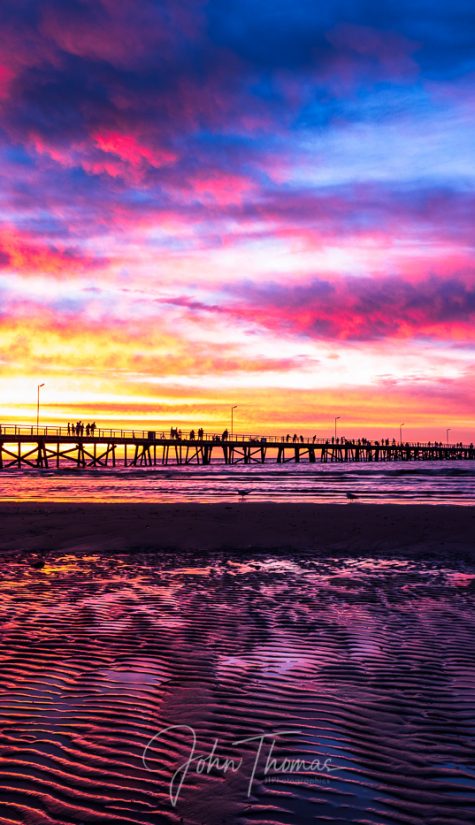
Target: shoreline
[[438, 531]]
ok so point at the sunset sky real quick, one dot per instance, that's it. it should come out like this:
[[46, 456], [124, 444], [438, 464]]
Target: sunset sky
[[268, 203]]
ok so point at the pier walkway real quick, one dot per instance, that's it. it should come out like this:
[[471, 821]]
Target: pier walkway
[[55, 447]]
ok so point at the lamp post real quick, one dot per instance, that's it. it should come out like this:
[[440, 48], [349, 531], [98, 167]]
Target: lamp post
[[447, 435], [337, 418], [400, 432], [38, 406], [234, 407]]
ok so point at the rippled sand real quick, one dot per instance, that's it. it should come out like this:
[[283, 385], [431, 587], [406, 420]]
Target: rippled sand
[[373, 662]]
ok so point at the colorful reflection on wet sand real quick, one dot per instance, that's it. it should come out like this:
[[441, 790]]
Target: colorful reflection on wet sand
[[369, 663]]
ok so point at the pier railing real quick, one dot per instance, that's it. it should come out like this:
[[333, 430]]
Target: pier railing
[[52, 431], [43, 447]]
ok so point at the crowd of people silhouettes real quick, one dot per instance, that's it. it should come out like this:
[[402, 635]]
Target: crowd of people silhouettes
[[81, 429]]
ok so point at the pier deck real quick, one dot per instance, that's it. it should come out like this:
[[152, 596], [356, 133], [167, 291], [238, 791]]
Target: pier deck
[[55, 447]]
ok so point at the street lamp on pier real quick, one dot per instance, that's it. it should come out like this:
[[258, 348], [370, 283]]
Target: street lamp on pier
[[38, 405], [400, 432], [447, 435], [337, 418], [234, 407]]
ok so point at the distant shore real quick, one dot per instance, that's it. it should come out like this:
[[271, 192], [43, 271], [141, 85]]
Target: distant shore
[[340, 529]]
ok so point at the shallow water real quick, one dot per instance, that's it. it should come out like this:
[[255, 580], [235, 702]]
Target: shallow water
[[369, 663], [433, 482]]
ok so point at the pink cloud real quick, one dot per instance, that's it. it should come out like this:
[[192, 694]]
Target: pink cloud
[[223, 188], [132, 151], [6, 76], [362, 309], [28, 255]]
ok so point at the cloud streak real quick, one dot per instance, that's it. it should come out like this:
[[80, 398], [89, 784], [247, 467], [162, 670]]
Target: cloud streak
[[365, 309]]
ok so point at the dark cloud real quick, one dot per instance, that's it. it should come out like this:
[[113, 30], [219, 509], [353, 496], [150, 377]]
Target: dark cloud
[[362, 309], [164, 67]]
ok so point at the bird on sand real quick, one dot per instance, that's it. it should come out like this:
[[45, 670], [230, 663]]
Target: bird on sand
[[351, 496], [243, 493]]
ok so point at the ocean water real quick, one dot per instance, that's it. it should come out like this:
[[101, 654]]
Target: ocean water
[[434, 482]]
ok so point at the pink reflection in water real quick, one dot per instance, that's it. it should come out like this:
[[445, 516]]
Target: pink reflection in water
[[371, 660]]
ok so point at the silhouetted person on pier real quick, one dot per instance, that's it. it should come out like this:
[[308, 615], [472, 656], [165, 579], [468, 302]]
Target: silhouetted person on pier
[[192, 435], [87, 429], [69, 428]]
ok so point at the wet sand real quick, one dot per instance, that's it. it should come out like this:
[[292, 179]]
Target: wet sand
[[345, 529], [351, 626], [369, 662]]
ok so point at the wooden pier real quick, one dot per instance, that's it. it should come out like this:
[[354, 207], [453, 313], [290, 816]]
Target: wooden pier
[[57, 447]]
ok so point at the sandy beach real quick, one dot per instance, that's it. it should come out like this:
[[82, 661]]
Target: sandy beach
[[345, 529], [127, 629], [367, 663]]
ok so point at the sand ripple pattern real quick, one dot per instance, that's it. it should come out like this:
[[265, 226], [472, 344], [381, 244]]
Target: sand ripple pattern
[[373, 662]]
